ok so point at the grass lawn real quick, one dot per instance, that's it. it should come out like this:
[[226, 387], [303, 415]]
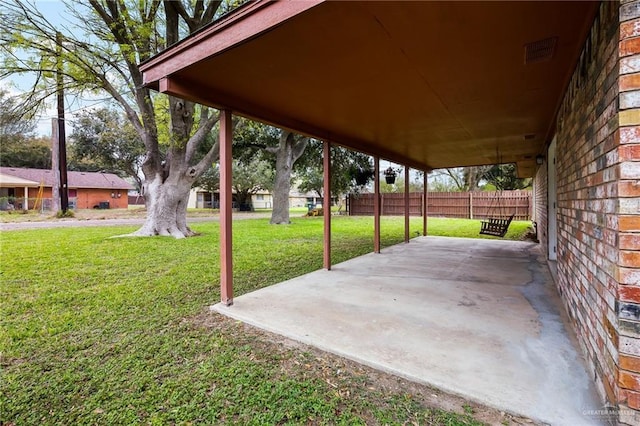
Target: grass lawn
[[97, 330]]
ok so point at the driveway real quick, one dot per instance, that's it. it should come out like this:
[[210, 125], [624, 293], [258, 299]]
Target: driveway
[[479, 318]]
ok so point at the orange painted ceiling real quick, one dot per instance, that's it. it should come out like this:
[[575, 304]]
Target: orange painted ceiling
[[427, 84]]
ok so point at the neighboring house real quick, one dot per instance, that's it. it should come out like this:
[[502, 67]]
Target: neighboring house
[[135, 198], [20, 189], [262, 200], [304, 199], [200, 198]]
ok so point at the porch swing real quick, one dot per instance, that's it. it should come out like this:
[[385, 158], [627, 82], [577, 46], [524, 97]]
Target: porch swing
[[496, 224]]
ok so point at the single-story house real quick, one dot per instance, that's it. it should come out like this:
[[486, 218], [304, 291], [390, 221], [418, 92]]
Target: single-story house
[[298, 198], [263, 199], [553, 87], [22, 189], [200, 198]]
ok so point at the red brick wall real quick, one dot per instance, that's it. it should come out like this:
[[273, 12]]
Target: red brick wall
[[598, 167], [627, 157], [85, 198], [587, 190], [33, 194]]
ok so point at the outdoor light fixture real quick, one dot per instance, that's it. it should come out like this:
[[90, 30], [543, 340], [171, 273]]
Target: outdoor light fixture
[[539, 159]]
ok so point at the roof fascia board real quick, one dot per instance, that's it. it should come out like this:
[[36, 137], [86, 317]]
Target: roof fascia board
[[241, 107], [248, 23]]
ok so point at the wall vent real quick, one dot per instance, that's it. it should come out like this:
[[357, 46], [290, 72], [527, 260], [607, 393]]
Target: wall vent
[[540, 51]]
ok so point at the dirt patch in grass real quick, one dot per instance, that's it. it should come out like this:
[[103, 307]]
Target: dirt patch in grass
[[353, 382]]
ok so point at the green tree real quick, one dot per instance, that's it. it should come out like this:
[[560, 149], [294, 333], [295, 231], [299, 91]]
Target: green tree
[[504, 177], [415, 185], [476, 178], [350, 170], [13, 120], [101, 49], [210, 180], [18, 145], [105, 140], [249, 177], [458, 179], [25, 151], [283, 149], [440, 181]]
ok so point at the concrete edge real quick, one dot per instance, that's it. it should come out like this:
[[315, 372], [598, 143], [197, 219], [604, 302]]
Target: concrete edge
[[228, 312]]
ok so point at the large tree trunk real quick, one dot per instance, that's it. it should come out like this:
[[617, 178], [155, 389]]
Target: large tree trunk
[[168, 180], [166, 195], [166, 203], [243, 199], [167, 185], [281, 189], [288, 151]]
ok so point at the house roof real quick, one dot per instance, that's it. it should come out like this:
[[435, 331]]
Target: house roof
[[427, 84], [11, 176], [7, 181]]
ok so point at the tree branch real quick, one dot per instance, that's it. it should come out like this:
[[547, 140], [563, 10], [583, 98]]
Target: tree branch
[[298, 148], [210, 12], [120, 33], [204, 164], [197, 138], [111, 20], [180, 11]]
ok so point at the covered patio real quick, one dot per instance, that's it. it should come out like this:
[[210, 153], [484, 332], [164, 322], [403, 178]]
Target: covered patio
[[423, 84], [478, 318], [426, 85]]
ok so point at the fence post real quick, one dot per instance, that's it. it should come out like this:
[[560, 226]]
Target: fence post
[[470, 205]]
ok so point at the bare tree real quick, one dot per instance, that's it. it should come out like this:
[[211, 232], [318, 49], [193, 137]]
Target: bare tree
[[351, 171], [460, 178]]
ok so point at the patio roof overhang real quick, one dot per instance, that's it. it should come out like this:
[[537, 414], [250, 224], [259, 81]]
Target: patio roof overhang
[[425, 84], [8, 181]]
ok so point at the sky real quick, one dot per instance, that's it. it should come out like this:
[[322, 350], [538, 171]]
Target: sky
[[54, 11]]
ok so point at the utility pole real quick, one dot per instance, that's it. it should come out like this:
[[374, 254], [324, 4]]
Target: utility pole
[[55, 168], [62, 142]]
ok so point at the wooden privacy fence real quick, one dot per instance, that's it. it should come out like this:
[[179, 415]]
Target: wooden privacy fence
[[466, 205]]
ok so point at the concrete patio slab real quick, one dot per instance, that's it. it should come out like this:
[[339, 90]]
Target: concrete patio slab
[[478, 318]]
